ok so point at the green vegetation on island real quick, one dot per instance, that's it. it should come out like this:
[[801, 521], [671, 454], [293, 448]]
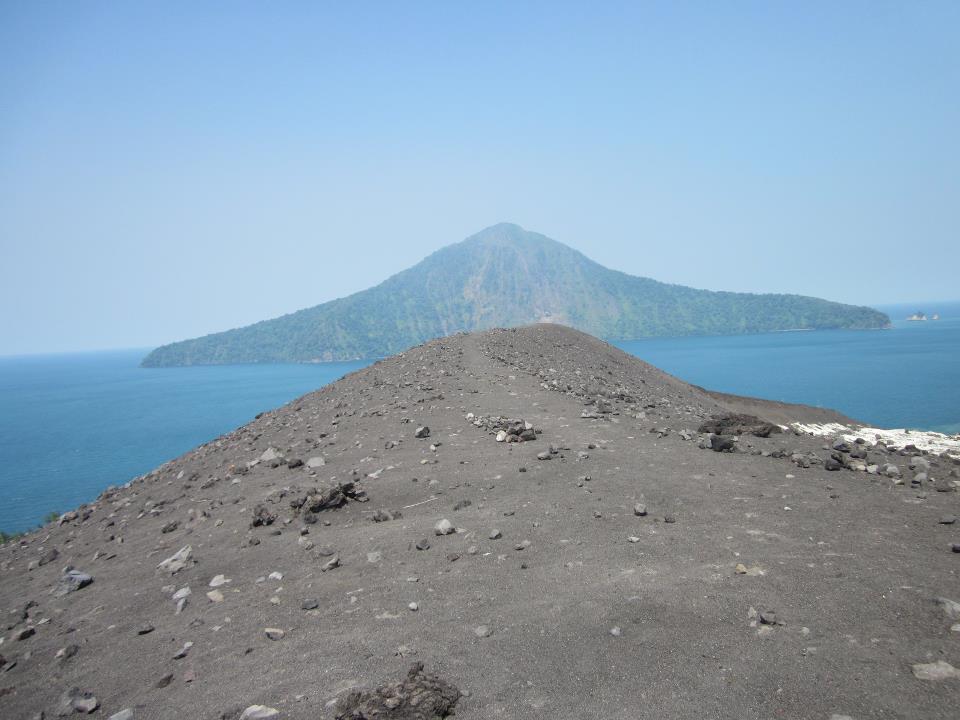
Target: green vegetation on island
[[501, 277]]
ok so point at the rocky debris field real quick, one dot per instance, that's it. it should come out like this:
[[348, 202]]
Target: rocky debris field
[[518, 523]]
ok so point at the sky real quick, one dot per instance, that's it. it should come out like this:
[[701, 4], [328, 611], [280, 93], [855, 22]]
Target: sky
[[170, 169]]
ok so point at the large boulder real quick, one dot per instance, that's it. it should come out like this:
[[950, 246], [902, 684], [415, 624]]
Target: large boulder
[[739, 424]]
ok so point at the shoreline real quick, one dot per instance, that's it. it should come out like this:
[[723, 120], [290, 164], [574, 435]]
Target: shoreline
[[928, 440]]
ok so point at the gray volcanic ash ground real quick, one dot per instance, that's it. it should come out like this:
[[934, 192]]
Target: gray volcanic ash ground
[[519, 523]]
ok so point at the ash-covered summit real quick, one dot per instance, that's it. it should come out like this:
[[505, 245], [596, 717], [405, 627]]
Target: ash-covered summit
[[506, 276]]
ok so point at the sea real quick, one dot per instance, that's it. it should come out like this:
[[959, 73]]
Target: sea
[[73, 424]]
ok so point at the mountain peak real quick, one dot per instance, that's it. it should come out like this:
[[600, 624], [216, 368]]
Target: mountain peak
[[502, 232], [506, 276]]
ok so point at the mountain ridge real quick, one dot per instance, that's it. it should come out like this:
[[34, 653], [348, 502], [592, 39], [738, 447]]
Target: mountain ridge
[[505, 276], [542, 524]]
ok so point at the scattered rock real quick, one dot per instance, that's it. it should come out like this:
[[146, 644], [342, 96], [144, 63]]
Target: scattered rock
[[71, 581], [444, 527], [640, 510], [259, 712], [939, 670], [386, 515], [739, 424], [262, 517], [420, 696], [274, 633], [176, 562], [76, 700], [718, 443], [421, 432]]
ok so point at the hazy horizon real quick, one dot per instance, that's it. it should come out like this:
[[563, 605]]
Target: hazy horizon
[[172, 171]]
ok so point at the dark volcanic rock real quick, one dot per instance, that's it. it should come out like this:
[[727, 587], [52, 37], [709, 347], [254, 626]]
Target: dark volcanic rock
[[739, 424], [71, 581], [420, 696], [262, 516], [719, 443]]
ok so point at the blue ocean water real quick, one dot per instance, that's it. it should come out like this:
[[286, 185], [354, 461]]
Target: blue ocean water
[[908, 376], [70, 425]]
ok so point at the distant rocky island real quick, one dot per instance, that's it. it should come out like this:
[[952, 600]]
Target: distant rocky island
[[506, 276]]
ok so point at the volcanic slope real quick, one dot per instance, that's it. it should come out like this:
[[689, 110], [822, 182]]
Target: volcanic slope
[[610, 565]]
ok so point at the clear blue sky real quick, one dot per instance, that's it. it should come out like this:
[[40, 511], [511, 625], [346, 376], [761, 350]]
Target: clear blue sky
[[170, 169]]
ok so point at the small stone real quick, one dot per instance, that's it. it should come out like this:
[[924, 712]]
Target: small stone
[[164, 681], [182, 652], [640, 510], [176, 562], [65, 653], [274, 633], [309, 604], [215, 596], [423, 544], [482, 631], [616, 631], [76, 700], [444, 527], [422, 432], [939, 670], [259, 712], [413, 607], [330, 564], [495, 534], [669, 519], [24, 633], [125, 714], [633, 539], [948, 519], [145, 630], [71, 581]]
